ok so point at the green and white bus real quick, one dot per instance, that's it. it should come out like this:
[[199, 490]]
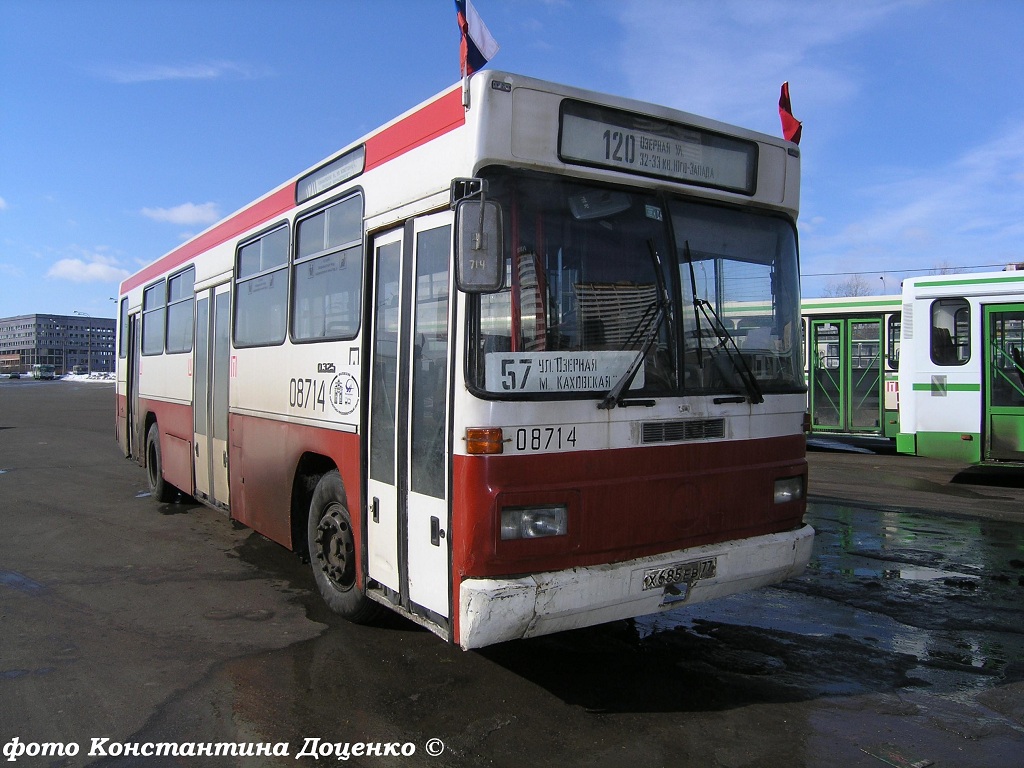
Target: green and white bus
[[961, 378]]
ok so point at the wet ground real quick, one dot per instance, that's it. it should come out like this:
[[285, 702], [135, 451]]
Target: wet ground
[[902, 644]]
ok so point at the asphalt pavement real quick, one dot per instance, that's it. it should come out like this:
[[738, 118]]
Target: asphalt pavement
[[165, 624], [881, 478]]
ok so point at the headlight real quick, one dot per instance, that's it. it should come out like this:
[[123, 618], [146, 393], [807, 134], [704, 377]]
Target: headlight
[[789, 489], [534, 522]]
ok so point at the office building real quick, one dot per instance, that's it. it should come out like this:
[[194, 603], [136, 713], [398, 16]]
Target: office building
[[67, 342]]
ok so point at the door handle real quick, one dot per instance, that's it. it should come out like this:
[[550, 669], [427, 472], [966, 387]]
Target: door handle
[[436, 533]]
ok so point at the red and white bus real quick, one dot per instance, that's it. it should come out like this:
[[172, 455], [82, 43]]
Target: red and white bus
[[526, 358]]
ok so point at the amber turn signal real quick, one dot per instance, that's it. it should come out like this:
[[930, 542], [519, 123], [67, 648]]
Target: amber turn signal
[[483, 441]]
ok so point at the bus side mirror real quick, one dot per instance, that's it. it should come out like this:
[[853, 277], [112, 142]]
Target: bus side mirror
[[480, 258]]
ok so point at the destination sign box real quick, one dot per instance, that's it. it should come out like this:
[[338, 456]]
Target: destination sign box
[[624, 141]]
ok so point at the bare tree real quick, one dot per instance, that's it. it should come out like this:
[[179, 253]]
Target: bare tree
[[945, 268], [854, 285]]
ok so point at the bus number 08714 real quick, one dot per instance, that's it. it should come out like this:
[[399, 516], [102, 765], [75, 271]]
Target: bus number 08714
[[545, 438], [307, 393]]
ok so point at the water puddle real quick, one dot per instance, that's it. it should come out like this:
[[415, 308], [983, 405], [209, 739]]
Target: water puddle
[[938, 599], [917, 573], [20, 582]]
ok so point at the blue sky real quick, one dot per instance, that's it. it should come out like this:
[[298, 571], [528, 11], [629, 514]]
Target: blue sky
[[127, 127]]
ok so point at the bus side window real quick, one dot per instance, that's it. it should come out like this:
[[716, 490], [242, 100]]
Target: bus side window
[[950, 334], [328, 273], [893, 335], [261, 289], [180, 308], [153, 303]]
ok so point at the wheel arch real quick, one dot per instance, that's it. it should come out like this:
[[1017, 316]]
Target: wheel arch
[[148, 422], [308, 471]]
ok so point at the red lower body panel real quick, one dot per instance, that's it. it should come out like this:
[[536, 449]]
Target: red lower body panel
[[121, 421], [175, 425], [262, 460], [622, 504]]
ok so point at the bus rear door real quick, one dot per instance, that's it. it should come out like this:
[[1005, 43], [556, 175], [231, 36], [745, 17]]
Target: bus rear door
[[211, 365], [132, 428]]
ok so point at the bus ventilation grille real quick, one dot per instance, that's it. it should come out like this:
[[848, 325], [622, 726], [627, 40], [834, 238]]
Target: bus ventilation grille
[[676, 431]]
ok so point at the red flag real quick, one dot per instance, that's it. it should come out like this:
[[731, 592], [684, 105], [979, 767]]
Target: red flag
[[791, 127]]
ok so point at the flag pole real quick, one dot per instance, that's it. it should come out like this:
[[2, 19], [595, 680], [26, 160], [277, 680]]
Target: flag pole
[[477, 45]]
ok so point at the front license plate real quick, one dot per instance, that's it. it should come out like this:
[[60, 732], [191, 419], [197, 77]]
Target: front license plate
[[680, 573]]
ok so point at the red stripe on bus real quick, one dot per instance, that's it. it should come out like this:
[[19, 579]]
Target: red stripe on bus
[[258, 213], [435, 119]]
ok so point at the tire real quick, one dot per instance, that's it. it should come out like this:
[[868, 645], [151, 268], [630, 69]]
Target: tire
[[161, 490], [332, 552]]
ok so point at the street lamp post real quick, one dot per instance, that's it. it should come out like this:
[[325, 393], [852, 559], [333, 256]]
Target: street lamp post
[[63, 330], [89, 360]]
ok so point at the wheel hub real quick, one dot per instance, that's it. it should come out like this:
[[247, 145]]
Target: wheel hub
[[335, 548]]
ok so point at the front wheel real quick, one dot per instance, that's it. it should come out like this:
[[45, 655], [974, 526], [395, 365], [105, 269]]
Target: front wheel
[[332, 552]]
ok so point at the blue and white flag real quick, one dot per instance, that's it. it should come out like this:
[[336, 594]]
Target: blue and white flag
[[478, 46]]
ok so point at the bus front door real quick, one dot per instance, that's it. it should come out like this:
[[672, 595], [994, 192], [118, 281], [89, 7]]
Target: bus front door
[[846, 376], [212, 356], [1004, 382], [409, 442]]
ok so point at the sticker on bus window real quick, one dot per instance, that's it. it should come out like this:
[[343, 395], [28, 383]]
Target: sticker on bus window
[[558, 372]]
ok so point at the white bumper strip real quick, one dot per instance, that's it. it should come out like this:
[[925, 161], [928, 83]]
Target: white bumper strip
[[495, 610]]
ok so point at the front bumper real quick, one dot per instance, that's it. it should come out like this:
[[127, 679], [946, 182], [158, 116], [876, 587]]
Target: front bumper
[[496, 610]]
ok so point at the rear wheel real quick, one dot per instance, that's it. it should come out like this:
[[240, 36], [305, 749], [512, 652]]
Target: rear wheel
[[162, 491], [332, 552]]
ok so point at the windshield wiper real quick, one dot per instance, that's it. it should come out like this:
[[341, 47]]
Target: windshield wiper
[[653, 324], [725, 339], [647, 330]]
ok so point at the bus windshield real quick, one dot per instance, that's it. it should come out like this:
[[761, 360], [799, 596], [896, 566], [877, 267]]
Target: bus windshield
[[595, 277]]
